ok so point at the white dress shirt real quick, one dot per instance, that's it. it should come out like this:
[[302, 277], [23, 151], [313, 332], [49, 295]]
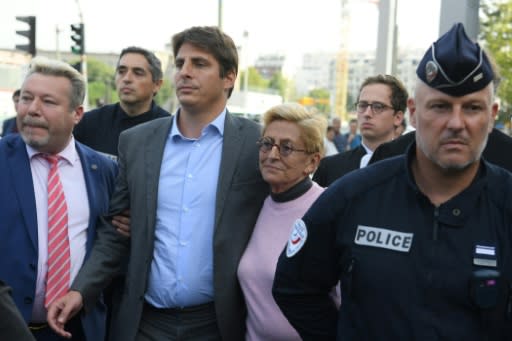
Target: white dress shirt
[[75, 191]]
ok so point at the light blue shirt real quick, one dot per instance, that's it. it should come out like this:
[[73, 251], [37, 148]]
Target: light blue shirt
[[182, 268]]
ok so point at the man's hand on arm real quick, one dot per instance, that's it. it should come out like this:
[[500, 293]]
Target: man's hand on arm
[[122, 223], [62, 310]]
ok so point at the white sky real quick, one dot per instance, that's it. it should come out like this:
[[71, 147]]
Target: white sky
[[284, 26]]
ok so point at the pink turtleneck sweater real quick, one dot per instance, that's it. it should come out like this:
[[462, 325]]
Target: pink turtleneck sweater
[[258, 265]]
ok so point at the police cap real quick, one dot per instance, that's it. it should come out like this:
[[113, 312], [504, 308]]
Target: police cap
[[455, 65]]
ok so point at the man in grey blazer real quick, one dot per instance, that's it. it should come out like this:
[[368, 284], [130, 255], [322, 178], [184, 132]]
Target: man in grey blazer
[[192, 185], [12, 324]]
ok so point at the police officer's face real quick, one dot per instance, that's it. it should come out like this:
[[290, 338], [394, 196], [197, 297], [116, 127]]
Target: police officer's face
[[283, 172], [451, 132]]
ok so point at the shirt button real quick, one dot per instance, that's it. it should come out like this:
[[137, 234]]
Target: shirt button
[[190, 176], [456, 212], [185, 209]]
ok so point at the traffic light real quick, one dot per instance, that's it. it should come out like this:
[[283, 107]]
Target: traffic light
[[30, 34], [77, 35]]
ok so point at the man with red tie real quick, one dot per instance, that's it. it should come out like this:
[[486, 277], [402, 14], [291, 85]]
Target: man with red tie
[[52, 189]]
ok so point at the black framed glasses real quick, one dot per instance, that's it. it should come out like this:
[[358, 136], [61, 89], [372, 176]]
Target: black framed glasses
[[285, 149], [377, 107]]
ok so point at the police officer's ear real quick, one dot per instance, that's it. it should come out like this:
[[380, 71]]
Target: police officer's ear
[[494, 112], [411, 106]]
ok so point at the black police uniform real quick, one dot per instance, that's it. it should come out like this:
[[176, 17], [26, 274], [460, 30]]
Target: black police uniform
[[100, 128], [419, 272]]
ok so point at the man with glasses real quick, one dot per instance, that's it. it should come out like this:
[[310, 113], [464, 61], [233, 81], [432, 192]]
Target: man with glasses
[[380, 109], [440, 268]]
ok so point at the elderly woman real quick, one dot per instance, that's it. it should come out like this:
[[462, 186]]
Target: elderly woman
[[290, 150]]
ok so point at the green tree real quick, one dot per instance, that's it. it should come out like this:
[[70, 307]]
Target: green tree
[[496, 35], [98, 71], [255, 80], [165, 93], [279, 84], [100, 78], [321, 97], [351, 102]]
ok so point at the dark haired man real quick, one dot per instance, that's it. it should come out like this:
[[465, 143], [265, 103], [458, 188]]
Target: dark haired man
[[442, 268], [9, 125], [194, 192], [380, 106], [138, 79]]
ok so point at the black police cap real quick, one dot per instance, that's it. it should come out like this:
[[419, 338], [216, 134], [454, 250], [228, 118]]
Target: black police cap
[[455, 65]]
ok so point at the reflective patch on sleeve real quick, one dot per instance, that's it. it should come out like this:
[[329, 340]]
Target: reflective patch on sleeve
[[297, 238], [383, 238]]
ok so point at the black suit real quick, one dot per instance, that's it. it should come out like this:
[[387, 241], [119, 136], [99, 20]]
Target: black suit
[[12, 324], [9, 126], [335, 166], [497, 150]]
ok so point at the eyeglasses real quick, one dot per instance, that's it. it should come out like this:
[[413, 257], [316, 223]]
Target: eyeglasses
[[285, 149], [377, 107]]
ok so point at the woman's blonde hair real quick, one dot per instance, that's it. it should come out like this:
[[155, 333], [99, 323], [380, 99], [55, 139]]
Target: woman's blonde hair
[[312, 126]]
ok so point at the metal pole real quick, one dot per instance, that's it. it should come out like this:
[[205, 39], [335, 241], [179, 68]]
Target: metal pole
[[385, 58], [83, 59], [220, 15], [245, 50], [57, 46], [464, 11]]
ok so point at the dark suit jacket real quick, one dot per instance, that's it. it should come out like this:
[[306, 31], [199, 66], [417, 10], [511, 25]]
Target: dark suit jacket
[[496, 151], [9, 126], [12, 325], [334, 167], [18, 222], [240, 194]]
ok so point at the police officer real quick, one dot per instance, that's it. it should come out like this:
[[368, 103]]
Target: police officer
[[422, 243]]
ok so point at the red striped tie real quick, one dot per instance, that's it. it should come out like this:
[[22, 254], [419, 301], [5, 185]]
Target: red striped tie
[[57, 281]]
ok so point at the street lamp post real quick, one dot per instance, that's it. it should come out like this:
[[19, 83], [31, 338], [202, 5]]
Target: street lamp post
[[83, 57], [220, 15]]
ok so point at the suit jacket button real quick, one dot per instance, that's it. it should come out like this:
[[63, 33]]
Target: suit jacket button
[[32, 266], [28, 300]]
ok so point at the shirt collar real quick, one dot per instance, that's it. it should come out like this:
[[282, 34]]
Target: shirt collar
[[69, 153], [217, 124], [368, 150]]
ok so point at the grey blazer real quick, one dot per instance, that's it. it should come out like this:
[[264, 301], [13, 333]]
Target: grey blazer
[[240, 195]]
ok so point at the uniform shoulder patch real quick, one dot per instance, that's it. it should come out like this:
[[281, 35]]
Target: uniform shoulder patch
[[297, 238]]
